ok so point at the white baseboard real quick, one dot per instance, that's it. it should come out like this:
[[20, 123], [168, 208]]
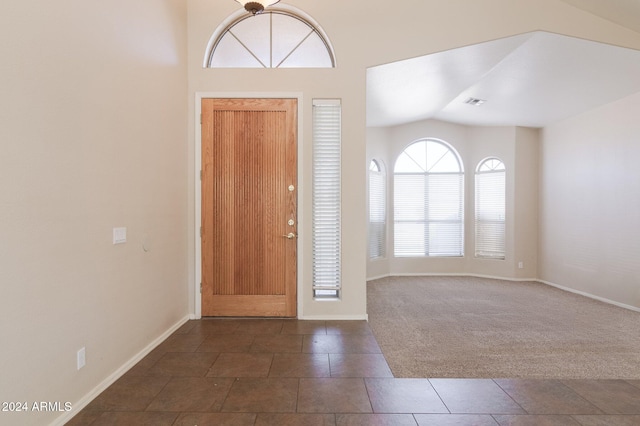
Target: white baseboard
[[454, 274], [495, 277], [85, 400], [590, 296], [378, 277], [364, 317], [560, 287]]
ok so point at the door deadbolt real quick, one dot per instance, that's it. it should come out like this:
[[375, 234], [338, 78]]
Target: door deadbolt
[[291, 222]]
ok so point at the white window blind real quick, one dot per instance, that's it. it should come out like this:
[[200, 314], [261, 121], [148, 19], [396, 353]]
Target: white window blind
[[428, 201], [490, 209], [377, 211], [326, 198]]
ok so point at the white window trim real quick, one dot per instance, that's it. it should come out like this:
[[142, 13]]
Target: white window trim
[[282, 8]]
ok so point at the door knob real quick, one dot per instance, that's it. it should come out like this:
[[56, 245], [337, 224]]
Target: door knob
[[290, 235]]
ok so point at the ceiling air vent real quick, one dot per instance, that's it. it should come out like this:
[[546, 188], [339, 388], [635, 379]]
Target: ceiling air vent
[[475, 101]]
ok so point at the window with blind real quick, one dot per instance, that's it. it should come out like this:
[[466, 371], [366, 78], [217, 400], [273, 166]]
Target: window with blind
[[428, 201], [326, 198], [490, 209], [377, 211]]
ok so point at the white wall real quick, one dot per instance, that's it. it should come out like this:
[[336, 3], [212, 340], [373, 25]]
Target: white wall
[[93, 136], [589, 202], [526, 208]]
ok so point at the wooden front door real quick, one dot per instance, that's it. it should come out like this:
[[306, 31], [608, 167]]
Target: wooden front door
[[249, 206]]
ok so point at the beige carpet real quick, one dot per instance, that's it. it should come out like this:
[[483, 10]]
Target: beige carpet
[[439, 327]]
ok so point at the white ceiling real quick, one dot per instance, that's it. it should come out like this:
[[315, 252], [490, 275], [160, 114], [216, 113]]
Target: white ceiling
[[527, 80]]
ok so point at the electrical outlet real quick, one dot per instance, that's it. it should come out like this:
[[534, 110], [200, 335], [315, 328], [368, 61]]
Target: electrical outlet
[[81, 358], [520, 265]]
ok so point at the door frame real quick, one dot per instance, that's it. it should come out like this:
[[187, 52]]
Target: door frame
[[198, 186]]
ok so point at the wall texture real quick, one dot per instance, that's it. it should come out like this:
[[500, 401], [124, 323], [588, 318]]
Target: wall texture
[[589, 203], [93, 136]]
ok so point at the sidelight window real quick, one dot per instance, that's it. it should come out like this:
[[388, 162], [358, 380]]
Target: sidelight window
[[490, 209], [326, 224], [377, 210]]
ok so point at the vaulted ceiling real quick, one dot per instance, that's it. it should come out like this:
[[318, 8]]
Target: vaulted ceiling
[[527, 80]]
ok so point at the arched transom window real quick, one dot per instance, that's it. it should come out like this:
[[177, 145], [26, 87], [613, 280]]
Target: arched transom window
[[428, 200], [281, 37]]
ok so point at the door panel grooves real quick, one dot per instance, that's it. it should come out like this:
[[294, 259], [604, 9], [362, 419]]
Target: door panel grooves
[[249, 161]]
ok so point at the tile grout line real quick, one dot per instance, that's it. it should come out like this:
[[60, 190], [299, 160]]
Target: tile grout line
[[584, 397], [510, 397], [632, 384], [561, 382], [297, 396], [366, 388], [437, 393]]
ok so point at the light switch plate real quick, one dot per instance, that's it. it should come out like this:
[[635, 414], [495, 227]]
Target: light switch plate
[[81, 358], [119, 235]]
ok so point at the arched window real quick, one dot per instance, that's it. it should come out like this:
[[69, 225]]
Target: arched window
[[280, 37], [490, 209], [377, 210], [428, 200]]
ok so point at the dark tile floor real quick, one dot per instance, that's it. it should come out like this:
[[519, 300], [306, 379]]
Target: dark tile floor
[[290, 372]]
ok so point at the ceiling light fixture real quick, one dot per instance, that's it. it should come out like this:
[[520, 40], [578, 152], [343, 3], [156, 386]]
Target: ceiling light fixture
[[475, 101], [256, 7]]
